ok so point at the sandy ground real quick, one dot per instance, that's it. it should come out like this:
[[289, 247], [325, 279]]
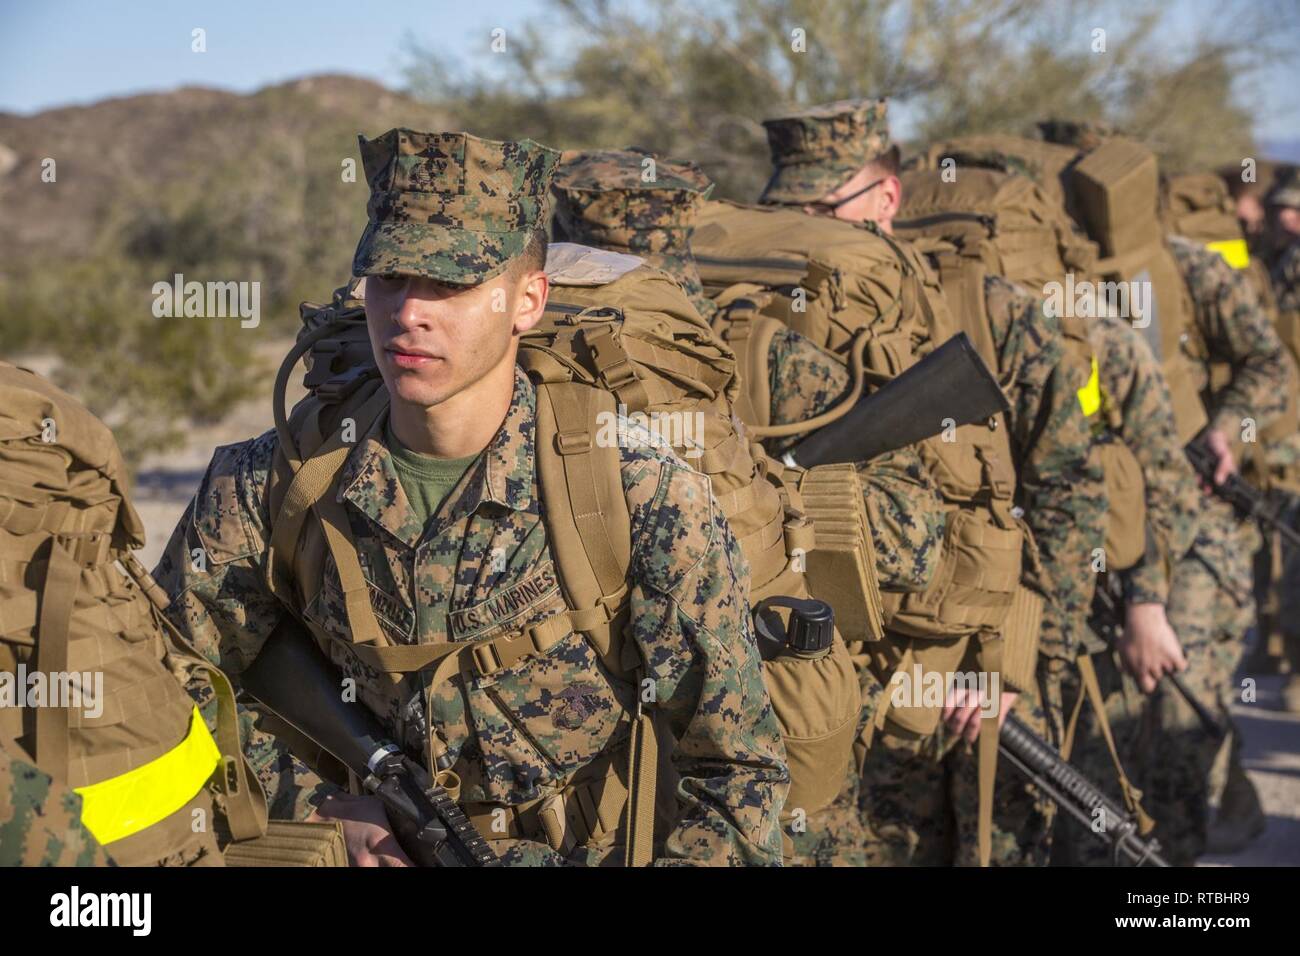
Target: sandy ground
[[1272, 738]]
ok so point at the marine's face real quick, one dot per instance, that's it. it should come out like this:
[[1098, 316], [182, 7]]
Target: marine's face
[[1288, 220], [870, 195], [1250, 213], [432, 340]]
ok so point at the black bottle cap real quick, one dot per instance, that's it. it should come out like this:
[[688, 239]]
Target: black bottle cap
[[812, 622]]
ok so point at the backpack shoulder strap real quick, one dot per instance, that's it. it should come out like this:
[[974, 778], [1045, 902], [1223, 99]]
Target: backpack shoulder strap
[[590, 530], [307, 463], [962, 279], [588, 522]]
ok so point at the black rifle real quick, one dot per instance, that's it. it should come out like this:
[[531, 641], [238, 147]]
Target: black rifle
[[1106, 622], [1248, 500], [295, 681], [949, 387], [1075, 793]]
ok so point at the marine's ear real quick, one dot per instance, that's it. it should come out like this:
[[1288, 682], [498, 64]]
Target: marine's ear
[[531, 291]]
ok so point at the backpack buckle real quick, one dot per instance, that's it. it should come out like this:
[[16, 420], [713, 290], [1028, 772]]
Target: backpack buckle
[[573, 443], [613, 366], [88, 549], [337, 389], [485, 658]]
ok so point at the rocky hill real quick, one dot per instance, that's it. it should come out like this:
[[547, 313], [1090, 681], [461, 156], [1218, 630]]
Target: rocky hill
[[124, 165], [221, 187]]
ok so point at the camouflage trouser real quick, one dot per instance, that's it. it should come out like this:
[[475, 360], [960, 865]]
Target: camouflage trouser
[[1176, 763], [903, 801], [920, 795], [1277, 594], [830, 837]]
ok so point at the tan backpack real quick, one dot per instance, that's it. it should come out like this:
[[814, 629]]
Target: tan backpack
[[988, 222], [874, 301], [615, 333], [1113, 193], [1198, 206], [118, 728], [1116, 189], [1047, 164], [858, 294]]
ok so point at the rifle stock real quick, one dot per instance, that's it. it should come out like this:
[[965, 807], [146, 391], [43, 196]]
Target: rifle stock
[[950, 386]]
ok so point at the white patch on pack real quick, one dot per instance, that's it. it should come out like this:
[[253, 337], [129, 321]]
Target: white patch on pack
[[571, 264]]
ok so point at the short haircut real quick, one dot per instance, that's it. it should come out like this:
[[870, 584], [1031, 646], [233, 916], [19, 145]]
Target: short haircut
[[533, 256], [888, 162]]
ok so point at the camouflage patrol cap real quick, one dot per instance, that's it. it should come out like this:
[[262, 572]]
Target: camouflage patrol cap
[[450, 206], [815, 151], [1086, 135], [634, 200], [1286, 190]]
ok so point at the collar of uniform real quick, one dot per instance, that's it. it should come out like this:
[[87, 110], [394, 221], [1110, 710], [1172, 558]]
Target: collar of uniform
[[504, 475]]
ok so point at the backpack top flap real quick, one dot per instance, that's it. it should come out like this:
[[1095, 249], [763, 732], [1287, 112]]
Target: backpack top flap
[[1198, 206], [1031, 236], [636, 335], [850, 277], [1047, 164], [52, 449]]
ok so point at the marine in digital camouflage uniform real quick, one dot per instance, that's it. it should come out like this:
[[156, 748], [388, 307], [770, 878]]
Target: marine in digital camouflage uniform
[[910, 785], [1211, 600], [40, 820], [605, 199], [456, 209], [1136, 402], [1283, 201], [1060, 486]]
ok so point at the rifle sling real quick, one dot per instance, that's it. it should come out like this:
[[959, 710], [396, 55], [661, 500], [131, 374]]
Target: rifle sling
[[1132, 795]]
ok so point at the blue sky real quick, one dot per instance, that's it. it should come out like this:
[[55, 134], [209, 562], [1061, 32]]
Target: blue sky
[[61, 52]]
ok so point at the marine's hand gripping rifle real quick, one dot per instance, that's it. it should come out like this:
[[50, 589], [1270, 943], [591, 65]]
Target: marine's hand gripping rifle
[[949, 387], [292, 678], [1245, 498], [1107, 622]]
